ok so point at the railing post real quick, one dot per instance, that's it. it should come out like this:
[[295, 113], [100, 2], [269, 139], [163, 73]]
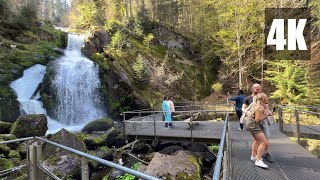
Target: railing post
[[154, 126], [33, 162], [124, 126], [297, 125], [84, 169], [39, 160], [280, 119]]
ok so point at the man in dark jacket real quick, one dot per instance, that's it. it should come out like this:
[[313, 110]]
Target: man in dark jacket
[[239, 101]]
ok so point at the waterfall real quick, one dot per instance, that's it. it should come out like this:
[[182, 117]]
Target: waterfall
[[76, 85]]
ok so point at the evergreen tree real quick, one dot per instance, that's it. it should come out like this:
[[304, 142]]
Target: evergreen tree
[[289, 79]]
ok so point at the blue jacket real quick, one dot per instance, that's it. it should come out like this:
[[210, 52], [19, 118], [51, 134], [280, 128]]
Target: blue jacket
[[239, 101]]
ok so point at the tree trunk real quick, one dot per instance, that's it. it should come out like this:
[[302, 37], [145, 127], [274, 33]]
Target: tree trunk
[[126, 7]]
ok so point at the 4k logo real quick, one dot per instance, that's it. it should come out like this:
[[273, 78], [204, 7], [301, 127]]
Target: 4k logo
[[287, 33]]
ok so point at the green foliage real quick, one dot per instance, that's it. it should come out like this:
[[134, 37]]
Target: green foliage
[[117, 42], [127, 176], [84, 15], [27, 16], [147, 39], [214, 148], [140, 71], [289, 79], [5, 11], [216, 87], [112, 25]]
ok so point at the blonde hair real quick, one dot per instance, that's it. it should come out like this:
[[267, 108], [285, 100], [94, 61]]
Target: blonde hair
[[257, 99]]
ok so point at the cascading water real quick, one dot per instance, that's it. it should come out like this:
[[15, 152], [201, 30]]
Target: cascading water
[[76, 84]]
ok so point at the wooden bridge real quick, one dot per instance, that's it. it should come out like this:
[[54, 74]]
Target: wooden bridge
[[292, 161]]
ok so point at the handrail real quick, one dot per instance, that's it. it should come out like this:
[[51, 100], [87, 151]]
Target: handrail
[[192, 111], [220, 152], [99, 160], [102, 161], [16, 140]]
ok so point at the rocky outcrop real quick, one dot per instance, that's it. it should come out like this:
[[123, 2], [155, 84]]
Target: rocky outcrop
[[95, 42], [181, 165], [100, 138], [98, 125], [68, 165], [5, 127], [30, 125], [66, 138], [9, 109]]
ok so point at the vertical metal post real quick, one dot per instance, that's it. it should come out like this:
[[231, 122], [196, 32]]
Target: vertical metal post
[[298, 126], [40, 174], [154, 126], [84, 169], [124, 126], [33, 162], [280, 119]]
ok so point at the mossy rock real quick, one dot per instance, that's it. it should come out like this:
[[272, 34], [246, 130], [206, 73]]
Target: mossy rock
[[22, 149], [65, 166], [30, 125], [16, 161], [66, 138], [9, 108], [94, 141], [5, 164], [4, 150], [14, 154], [103, 153], [98, 125], [5, 127]]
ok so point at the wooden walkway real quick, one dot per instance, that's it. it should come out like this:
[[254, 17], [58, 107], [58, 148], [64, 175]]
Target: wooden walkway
[[292, 162]]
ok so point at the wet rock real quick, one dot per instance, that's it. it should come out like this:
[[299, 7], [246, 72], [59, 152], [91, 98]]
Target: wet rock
[[141, 148], [68, 165], [98, 139], [30, 125], [101, 174], [66, 138], [5, 127], [96, 41], [170, 150], [103, 153], [98, 125], [9, 109]]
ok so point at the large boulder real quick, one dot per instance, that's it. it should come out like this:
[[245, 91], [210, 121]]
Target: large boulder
[[98, 125], [5, 164], [30, 125], [103, 153], [9, 109], [181, 166], [68, 165], [5, 127], [66, 138], [98, 139], [141, 148], [95, 42]]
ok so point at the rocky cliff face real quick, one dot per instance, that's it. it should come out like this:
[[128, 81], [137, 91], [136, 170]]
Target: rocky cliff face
[[165, 68]]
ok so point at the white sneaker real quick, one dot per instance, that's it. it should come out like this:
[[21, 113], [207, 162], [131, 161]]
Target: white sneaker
[[254, 158], [261, 164]]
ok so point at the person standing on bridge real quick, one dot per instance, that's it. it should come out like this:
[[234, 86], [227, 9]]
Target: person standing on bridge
[[172, 109], [256, 88], [166, 112], [239, 99], [257, 113]]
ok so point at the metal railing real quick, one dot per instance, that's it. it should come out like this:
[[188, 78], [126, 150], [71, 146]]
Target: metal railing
[[36, 167], [222, 153], [297, 128], [148, 123]]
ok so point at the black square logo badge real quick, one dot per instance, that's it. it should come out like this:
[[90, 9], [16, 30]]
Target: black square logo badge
[[287, 34]]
